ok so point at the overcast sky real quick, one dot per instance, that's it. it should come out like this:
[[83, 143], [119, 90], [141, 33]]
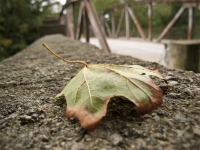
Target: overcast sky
[[62, 1], [56, 8]]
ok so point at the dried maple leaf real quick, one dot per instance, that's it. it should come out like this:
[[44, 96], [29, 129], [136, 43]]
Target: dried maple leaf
[[89, 92]]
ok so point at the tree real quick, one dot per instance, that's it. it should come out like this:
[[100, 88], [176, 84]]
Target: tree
[[19, 21]]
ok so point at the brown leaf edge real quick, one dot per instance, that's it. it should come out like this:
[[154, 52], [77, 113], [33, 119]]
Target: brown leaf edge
[[87, 119], [91, 122]]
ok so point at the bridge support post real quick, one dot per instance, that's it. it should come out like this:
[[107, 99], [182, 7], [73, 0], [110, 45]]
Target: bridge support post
[[86, 26], [70, 26], [120, 23], [74, 22], [95, 23], [150, 14], [108, 29], [139, 27], [190, 22], [127, 24], [80, 21], [113, 23]]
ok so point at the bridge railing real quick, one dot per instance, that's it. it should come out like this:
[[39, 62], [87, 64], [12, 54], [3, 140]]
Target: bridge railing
[[127, 11], [87, 19]]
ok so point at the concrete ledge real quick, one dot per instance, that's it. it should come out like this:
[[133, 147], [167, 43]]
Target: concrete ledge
[[184, 55], [30, 119]]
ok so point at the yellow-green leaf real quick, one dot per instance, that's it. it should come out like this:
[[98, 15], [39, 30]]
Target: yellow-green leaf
[[89, 92]]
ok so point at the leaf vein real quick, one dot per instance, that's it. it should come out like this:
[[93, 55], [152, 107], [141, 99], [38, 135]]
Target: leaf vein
[[87, 86], [131, 90], [75, 100], [128, 80], [90, 95]]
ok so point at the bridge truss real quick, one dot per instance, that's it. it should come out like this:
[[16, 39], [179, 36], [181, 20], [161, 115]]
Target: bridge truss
[[87, 18]]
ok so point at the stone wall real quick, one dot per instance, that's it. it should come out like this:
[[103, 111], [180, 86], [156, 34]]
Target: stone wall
[[30, 119]]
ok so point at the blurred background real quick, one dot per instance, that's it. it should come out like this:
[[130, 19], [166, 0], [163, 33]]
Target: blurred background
[[20, 20]]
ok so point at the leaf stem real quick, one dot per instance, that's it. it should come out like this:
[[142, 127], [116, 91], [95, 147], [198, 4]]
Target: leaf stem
[[65, 60]]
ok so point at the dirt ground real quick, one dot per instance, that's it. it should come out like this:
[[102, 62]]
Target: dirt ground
[[29, 119]]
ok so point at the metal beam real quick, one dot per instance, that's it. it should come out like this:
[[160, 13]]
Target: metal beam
[[74, 20], [190, 22], [80, 21], [127, 24], [96, 25], [139, 27], [113, 23], [108, 28], [86, 26], [150, 14], [70, 25], [171, 23], [102, 21], [120, 23]]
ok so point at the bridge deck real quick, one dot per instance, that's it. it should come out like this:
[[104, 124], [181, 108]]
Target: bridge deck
[[147, 51], [30, 120]]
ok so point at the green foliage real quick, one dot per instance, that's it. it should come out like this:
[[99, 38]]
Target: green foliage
[[101, 5], [162, 14], [19, 21]]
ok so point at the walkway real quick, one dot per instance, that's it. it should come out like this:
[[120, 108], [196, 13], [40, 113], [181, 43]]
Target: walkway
[[148, 51]]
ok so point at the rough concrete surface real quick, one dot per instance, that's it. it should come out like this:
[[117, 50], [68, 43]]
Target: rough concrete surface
[[30, 119]]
